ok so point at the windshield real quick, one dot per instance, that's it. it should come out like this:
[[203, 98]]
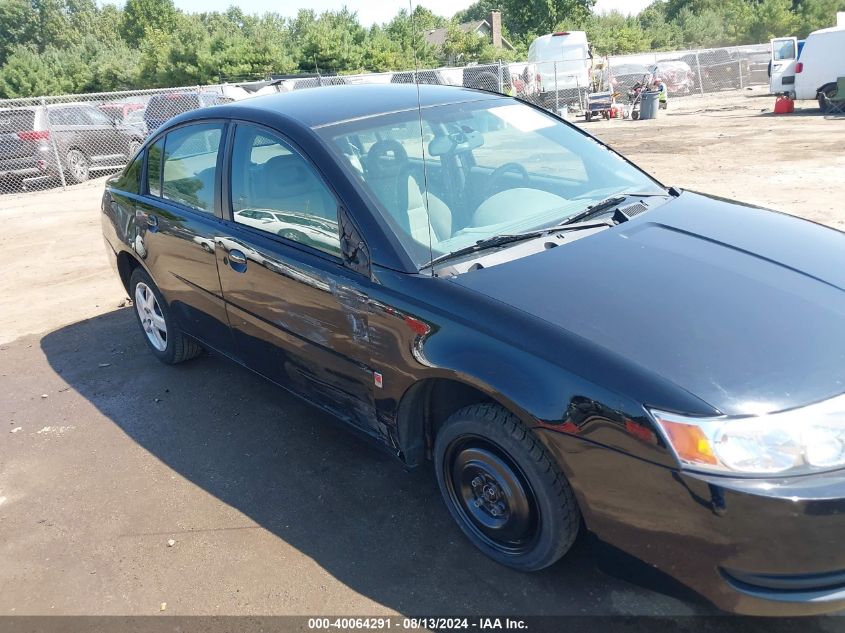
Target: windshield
[[480, 169]]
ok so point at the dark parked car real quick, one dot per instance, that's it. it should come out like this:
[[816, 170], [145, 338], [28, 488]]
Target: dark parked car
[[428, 77], [490, 77], [720, 69], [162, 107], [572, 344], [82, 137], [318, 82]]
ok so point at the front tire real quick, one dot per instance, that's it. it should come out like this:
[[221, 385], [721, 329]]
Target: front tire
[[504, 489], [165, 339]]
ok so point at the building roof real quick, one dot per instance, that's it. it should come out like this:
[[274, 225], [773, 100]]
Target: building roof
[[437, 37]]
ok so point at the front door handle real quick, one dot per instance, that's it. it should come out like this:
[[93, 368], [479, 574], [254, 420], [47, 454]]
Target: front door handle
[[237, 257], [152, 221]]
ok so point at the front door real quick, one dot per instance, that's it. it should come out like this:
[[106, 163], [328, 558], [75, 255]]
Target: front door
[[784, 57], [298, 314]]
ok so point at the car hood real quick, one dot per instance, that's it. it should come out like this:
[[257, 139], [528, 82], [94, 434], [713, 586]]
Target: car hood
[[740, 306]]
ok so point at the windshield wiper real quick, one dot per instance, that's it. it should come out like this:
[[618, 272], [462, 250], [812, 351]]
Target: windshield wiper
[[501, 240], [610, 203]]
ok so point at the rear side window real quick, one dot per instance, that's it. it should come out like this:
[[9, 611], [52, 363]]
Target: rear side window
[[189, 165], [92, 116], [68, 116], [154, 167], [130, 180], [16, 121]]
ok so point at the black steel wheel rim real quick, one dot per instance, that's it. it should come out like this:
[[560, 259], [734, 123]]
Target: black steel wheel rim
[[491, 494]]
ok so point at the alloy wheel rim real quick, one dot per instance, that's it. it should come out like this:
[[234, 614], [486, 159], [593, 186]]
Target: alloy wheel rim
[[151, 316], [492, 496], [77, 163]]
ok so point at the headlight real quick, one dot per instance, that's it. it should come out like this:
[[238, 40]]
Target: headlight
[[800, 441]]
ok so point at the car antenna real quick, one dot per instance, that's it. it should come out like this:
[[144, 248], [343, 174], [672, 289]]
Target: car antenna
[[419, 114]]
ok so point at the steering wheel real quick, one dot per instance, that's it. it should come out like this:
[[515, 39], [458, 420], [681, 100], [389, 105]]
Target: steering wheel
[[492, 180]]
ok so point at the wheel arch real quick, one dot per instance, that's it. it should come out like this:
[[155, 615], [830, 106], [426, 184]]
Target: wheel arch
[[75, 146], [429, 402], [126, 265], [824, 88]]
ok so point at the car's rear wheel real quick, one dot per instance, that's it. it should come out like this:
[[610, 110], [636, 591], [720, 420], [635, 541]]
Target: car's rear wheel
[[504, 489], [161, 332], [77, 166], [825, 94]]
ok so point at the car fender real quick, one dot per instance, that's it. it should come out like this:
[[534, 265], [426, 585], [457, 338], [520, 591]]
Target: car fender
[[540, 392]]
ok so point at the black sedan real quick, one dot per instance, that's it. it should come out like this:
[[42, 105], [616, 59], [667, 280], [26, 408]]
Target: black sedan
[[470, 280]]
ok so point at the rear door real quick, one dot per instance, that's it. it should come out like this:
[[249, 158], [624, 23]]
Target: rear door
[[178, 219], [298, 314], [784, 58]]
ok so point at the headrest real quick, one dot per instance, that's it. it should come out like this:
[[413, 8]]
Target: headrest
[[286, 175]]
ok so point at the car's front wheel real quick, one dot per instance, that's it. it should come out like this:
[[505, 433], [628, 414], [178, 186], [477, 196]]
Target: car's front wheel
[[163, 336], [504, 489]]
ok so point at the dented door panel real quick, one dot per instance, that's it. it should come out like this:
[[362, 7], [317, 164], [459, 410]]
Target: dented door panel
[[301, 320]]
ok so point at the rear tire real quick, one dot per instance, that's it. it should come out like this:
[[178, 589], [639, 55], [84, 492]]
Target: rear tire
[[504, 489], [162, 334], [828, 92], [77, 166]]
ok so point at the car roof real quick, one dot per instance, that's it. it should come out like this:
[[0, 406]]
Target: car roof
[[70, 104], [318, 107]]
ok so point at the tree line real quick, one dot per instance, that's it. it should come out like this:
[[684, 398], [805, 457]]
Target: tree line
[[75, 46]]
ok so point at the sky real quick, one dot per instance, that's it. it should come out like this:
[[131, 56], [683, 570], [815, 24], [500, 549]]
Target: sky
[[369, 11]]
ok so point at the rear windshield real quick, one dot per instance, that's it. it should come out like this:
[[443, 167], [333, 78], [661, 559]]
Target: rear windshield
[[16, 120]]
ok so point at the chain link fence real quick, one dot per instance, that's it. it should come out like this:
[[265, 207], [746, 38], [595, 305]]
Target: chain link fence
[[58, 141]]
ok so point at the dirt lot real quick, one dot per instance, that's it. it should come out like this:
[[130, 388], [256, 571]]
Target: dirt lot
[[106, 455]]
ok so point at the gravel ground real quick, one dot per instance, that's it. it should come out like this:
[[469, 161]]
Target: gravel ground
[[125, 484]]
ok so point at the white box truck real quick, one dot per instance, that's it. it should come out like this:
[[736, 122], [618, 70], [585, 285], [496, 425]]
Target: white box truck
[[561, 64], [811, 71]]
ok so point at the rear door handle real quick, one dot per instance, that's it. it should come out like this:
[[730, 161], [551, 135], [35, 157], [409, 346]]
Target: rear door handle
[[237, 257], [152, 221]]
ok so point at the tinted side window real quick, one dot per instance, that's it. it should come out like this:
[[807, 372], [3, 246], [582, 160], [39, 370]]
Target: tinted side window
[[93, 116], [274, 189], [67, 116], [190, 165], [154, 154], [130, 180]]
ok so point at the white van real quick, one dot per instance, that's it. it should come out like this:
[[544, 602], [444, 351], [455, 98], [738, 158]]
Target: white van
[[561, 65], [813, 71]]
